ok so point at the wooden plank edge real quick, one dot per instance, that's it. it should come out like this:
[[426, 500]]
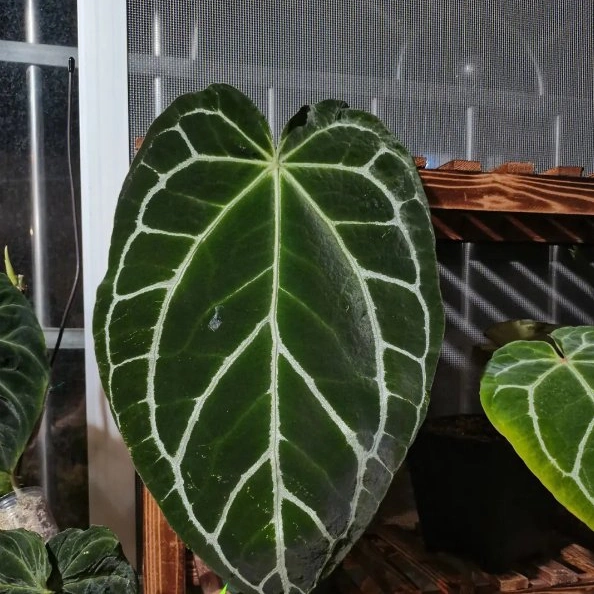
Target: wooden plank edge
[[164, 554], [503, 192]]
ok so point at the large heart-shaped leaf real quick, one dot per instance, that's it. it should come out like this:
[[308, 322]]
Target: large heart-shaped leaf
[[268, 329], [541, 398], [24, 566], [24, 373], [90, 561]]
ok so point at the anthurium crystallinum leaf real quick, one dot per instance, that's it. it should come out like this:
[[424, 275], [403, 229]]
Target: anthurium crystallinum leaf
[[24, 566], [268, 329], [24, 374], [73, 562], [90, 562], [540, 396]]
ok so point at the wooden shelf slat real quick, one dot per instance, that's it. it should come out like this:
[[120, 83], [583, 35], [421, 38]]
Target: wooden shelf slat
[[505, 192], [516, 167], [460, 165], [565, 170]]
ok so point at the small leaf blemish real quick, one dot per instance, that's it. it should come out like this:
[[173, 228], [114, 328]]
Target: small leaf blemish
[[215, 321]]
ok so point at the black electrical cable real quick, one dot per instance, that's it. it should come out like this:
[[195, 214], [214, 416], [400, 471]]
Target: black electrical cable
[[75, 282]]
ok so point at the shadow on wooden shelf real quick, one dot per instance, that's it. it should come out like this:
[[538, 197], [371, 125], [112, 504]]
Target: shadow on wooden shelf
[[391, 560], [495, 226]]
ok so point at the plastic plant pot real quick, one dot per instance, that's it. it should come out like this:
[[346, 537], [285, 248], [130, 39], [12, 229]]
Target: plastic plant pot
[[475, 496], [27, 508]]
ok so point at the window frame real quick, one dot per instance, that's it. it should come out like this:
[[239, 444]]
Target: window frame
[[103, 103]]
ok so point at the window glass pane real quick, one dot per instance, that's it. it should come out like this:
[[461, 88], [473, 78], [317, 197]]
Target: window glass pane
[[55, 21], [60, 236], [16, 170], [36, 224], [14, 166], [12, 23], [60, 451]]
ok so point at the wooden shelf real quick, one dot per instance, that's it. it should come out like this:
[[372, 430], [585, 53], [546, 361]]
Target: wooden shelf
[[387, 559], [390, 559], [506, 192], [509, 204]]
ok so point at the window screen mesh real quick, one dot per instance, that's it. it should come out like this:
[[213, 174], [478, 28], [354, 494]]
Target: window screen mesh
[[495, 81]]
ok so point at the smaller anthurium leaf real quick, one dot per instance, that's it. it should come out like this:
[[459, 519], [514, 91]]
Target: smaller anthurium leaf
[[541, 398], [90, 561], [502, 333], [24, 373], [24, 566]]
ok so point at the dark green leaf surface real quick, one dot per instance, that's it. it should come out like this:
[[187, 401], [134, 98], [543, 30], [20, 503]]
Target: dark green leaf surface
[[268, 329], [90, 562], [24, 373], [541, 398], [24, 567]]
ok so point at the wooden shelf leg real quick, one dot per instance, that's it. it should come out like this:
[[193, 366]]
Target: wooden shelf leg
[[164, 554]]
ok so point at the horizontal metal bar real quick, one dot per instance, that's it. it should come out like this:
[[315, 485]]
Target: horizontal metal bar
[[379, 87], [36, 53], [73, 338]]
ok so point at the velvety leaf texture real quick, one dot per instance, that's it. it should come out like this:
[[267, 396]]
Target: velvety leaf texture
[[541, 398], [268, 329], [90, 562], [73, 562], [24, 373], [24, 566]]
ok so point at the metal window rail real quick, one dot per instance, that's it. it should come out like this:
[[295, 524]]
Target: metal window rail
[[37, 54]]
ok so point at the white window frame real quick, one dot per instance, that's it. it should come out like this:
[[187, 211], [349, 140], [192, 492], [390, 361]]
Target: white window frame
[[104, 158]]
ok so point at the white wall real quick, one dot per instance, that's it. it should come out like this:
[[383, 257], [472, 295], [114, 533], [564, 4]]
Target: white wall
[[102, 43]]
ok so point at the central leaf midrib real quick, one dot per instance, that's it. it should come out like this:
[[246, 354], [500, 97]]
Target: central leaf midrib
[[275, 431]]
